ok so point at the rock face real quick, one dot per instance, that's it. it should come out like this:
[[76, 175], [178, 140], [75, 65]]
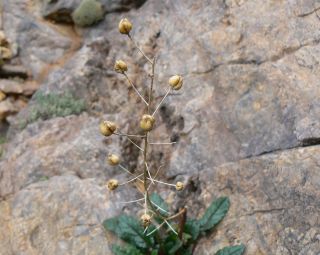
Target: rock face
[[246, 121], [274, 203]]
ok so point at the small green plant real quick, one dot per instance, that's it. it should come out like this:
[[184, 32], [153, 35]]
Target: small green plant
[[158, 232], [165, 242], [52, 105], [88, 13]]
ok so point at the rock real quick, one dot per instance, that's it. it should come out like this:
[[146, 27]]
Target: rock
[[71, 145], [61, 10], [18, 87], [7, 71], [274, 203], [7, 107], [60, 215], [2, 96], [46, 44], [30, 87], [5, 53], [11, 86], [3, 39], [251, 87]]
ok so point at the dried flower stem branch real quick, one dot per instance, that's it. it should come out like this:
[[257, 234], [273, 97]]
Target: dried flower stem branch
[[133, 179], [165, 183], [132, 201], [167, 93], [139, 49], [135, 144], [120, 134], [135, 89], [163, 143], [172, 229]]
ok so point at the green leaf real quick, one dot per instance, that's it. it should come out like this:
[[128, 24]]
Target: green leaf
[[186, 250], [232, 250], [154, 252], [214, 214], [192, 228], [172, 244], [157, 200], [130, 230], [126, 250]]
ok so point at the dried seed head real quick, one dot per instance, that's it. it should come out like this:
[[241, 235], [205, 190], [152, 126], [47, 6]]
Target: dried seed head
[[112, 184], [120, 66], [146, 220], [125, 26], [147, 122], [113, 159], [176, 82], [107, 128], [179, 186]]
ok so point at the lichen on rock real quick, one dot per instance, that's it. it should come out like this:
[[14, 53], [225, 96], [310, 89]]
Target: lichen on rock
[[88, 13]]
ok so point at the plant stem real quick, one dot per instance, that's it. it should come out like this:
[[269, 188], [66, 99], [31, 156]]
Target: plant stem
[[135, 89], [137, 46], [182, 222]]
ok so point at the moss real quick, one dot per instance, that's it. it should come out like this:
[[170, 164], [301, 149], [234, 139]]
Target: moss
[[88, 13], [3, 140], [52, 105]]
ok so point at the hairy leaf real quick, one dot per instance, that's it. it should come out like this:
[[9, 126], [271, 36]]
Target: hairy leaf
[[172, 244], [186, 250], [157, 200], [192, 228], [130, 230], [232, 250], [126, 250], [214, 214], [154, 252]]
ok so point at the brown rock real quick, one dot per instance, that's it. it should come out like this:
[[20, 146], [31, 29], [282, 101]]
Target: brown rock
[[26, 88], [2, 96], [7, 107], [11, 86], [5, 53]]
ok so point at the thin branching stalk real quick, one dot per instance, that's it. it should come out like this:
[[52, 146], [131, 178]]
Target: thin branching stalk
[[167, 93], [135, 88], [139, 49]]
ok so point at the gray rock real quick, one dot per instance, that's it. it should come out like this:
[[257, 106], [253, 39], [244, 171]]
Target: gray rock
[[251, 87], [56, 147], [62, 215], [274, 203]]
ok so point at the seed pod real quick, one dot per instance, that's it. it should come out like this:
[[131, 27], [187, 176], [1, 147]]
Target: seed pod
[[112, 184], [176, 82], [120, 66], [107, 128], [125, 26], [113, 159], [179, 186], [147, 122], [146, 220]]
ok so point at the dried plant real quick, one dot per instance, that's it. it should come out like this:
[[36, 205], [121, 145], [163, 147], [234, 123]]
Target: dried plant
[[147, 123], [143, 237]]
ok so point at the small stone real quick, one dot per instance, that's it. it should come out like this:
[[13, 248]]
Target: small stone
[[2, 96], [5, 53]]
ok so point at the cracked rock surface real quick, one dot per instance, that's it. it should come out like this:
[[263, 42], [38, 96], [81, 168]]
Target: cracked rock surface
[[247, 122]]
